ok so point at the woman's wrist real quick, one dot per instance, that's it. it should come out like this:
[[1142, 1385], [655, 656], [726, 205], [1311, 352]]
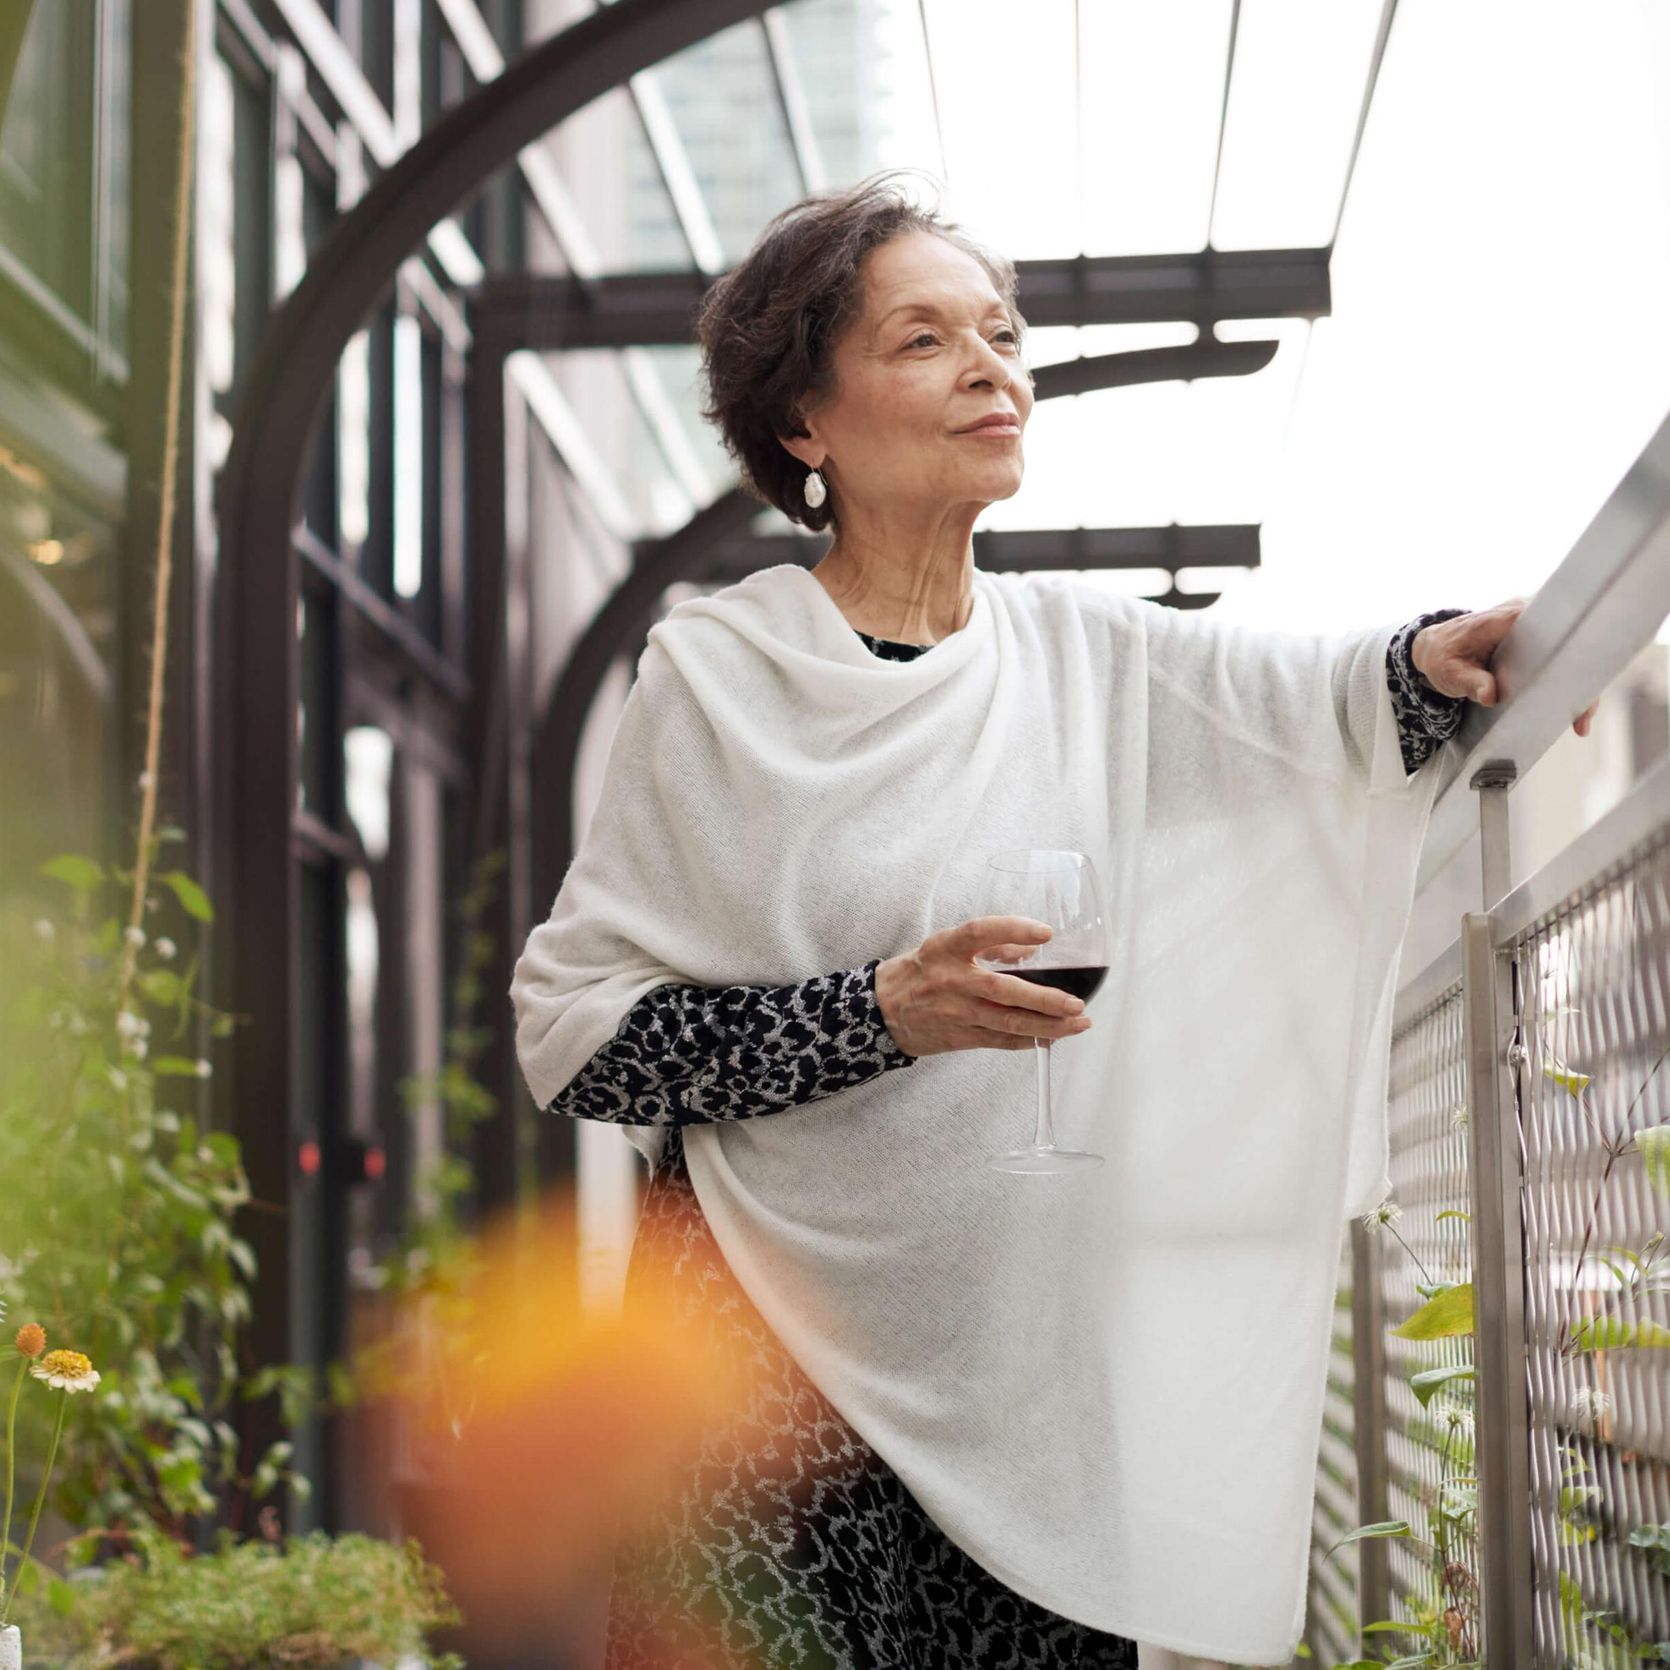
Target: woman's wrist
[[1418, 651]]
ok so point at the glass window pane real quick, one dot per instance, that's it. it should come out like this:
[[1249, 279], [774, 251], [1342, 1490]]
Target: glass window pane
[[593, 382], [1011, 174], [237, 176], [634, 229], [1153, 84], [724, 106], [46, 150], [58, 655], [678, 369], [849, 74], [116, 78], [1300, 70]]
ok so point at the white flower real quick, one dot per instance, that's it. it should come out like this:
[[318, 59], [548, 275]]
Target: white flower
[[1387, 1212], [165, 948], [128, 1023], [134, 936], [144, 779], [69, 1369], [1461, 1419], [43, 928], [139, 1047], [1458, 1117], [203, 1068], [118, 1078], [1589, 1403]]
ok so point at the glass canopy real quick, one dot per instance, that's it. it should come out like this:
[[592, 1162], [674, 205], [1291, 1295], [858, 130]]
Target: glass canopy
[[1093, 130]]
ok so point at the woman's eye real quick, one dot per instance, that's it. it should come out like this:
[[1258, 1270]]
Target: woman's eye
[[926, 336]]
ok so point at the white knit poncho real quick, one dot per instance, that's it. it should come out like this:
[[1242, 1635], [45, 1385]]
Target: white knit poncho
[[1105, 1386]]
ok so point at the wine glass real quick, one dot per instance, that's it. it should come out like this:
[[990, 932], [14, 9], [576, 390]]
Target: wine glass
[[1058, 887]]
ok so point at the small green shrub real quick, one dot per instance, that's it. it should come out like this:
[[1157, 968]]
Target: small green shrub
[[310, 1604]]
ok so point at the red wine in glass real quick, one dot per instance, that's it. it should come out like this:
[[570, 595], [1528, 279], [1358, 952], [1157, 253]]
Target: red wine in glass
[[1058, 887], [1082, 983]]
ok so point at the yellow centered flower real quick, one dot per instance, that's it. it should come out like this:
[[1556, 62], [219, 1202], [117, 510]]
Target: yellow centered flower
[[69, 1369], [31, 1340]]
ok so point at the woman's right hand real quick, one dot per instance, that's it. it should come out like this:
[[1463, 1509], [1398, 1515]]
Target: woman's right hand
[[935, 998]]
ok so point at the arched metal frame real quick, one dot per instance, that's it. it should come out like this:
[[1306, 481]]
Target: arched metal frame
[[257, 590], [255, 758]]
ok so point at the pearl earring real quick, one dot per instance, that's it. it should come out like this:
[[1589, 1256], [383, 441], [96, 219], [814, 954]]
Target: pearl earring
[[815, 491]]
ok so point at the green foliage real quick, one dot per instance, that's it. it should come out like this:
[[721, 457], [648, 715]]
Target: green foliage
[[1655, 1539], [1611, 1333], [1429, 1380], [1448, 1312], [311, 1604], [118, 1233], [1382, 1528], [1597, 1639], [1653, 1145]]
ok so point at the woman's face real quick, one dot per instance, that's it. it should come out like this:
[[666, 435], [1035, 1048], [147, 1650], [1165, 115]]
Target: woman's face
[[932, 352]]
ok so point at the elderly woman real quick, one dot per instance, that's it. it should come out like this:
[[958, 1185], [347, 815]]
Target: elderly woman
[[957, 1449]]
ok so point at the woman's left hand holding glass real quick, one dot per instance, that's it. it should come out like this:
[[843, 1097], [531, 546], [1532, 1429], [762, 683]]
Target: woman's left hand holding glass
[[1454, 655]]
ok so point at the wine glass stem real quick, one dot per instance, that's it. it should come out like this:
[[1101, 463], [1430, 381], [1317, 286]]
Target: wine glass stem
[[1045, 1137]]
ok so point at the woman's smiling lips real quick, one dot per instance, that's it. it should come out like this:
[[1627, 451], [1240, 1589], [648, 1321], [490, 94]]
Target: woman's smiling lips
[[994, 423]]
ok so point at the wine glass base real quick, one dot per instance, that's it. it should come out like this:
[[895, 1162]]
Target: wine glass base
[[1043, 1161]]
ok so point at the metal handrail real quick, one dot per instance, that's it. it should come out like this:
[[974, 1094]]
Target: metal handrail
[[1598, 610], [1607, 845]]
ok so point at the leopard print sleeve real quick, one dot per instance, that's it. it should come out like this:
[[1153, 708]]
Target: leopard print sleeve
[[1425, 717], [689, 1055]]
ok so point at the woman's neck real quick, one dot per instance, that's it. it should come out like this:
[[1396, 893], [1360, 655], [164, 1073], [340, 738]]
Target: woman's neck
[[904, 601]]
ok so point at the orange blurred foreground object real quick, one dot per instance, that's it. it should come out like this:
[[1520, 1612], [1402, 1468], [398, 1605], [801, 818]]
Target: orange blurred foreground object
[[534, 1435]]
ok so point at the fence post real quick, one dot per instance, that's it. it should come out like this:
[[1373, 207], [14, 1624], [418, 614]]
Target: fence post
[[1368, 1352], [1502, 1428]]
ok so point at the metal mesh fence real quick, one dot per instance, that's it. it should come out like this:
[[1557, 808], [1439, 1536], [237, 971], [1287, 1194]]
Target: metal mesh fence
[[1334, 1605], [1592, 979], [1591, 1019], [1429, 1433]]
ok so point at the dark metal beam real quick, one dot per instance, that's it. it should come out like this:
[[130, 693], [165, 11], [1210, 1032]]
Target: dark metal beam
[[1186, 362], [617, 310], [1207, 545]]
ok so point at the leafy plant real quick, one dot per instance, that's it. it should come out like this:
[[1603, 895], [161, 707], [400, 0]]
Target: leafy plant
[[120, 1234], [311, 1603]]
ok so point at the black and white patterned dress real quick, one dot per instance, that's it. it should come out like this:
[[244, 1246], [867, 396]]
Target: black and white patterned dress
[[788, 1541]]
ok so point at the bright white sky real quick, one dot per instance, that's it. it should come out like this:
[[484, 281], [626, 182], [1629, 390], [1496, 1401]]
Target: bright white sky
[[1499, 347]]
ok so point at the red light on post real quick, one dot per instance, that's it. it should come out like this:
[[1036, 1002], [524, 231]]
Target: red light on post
[[376, 1163], [307, 1157]]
